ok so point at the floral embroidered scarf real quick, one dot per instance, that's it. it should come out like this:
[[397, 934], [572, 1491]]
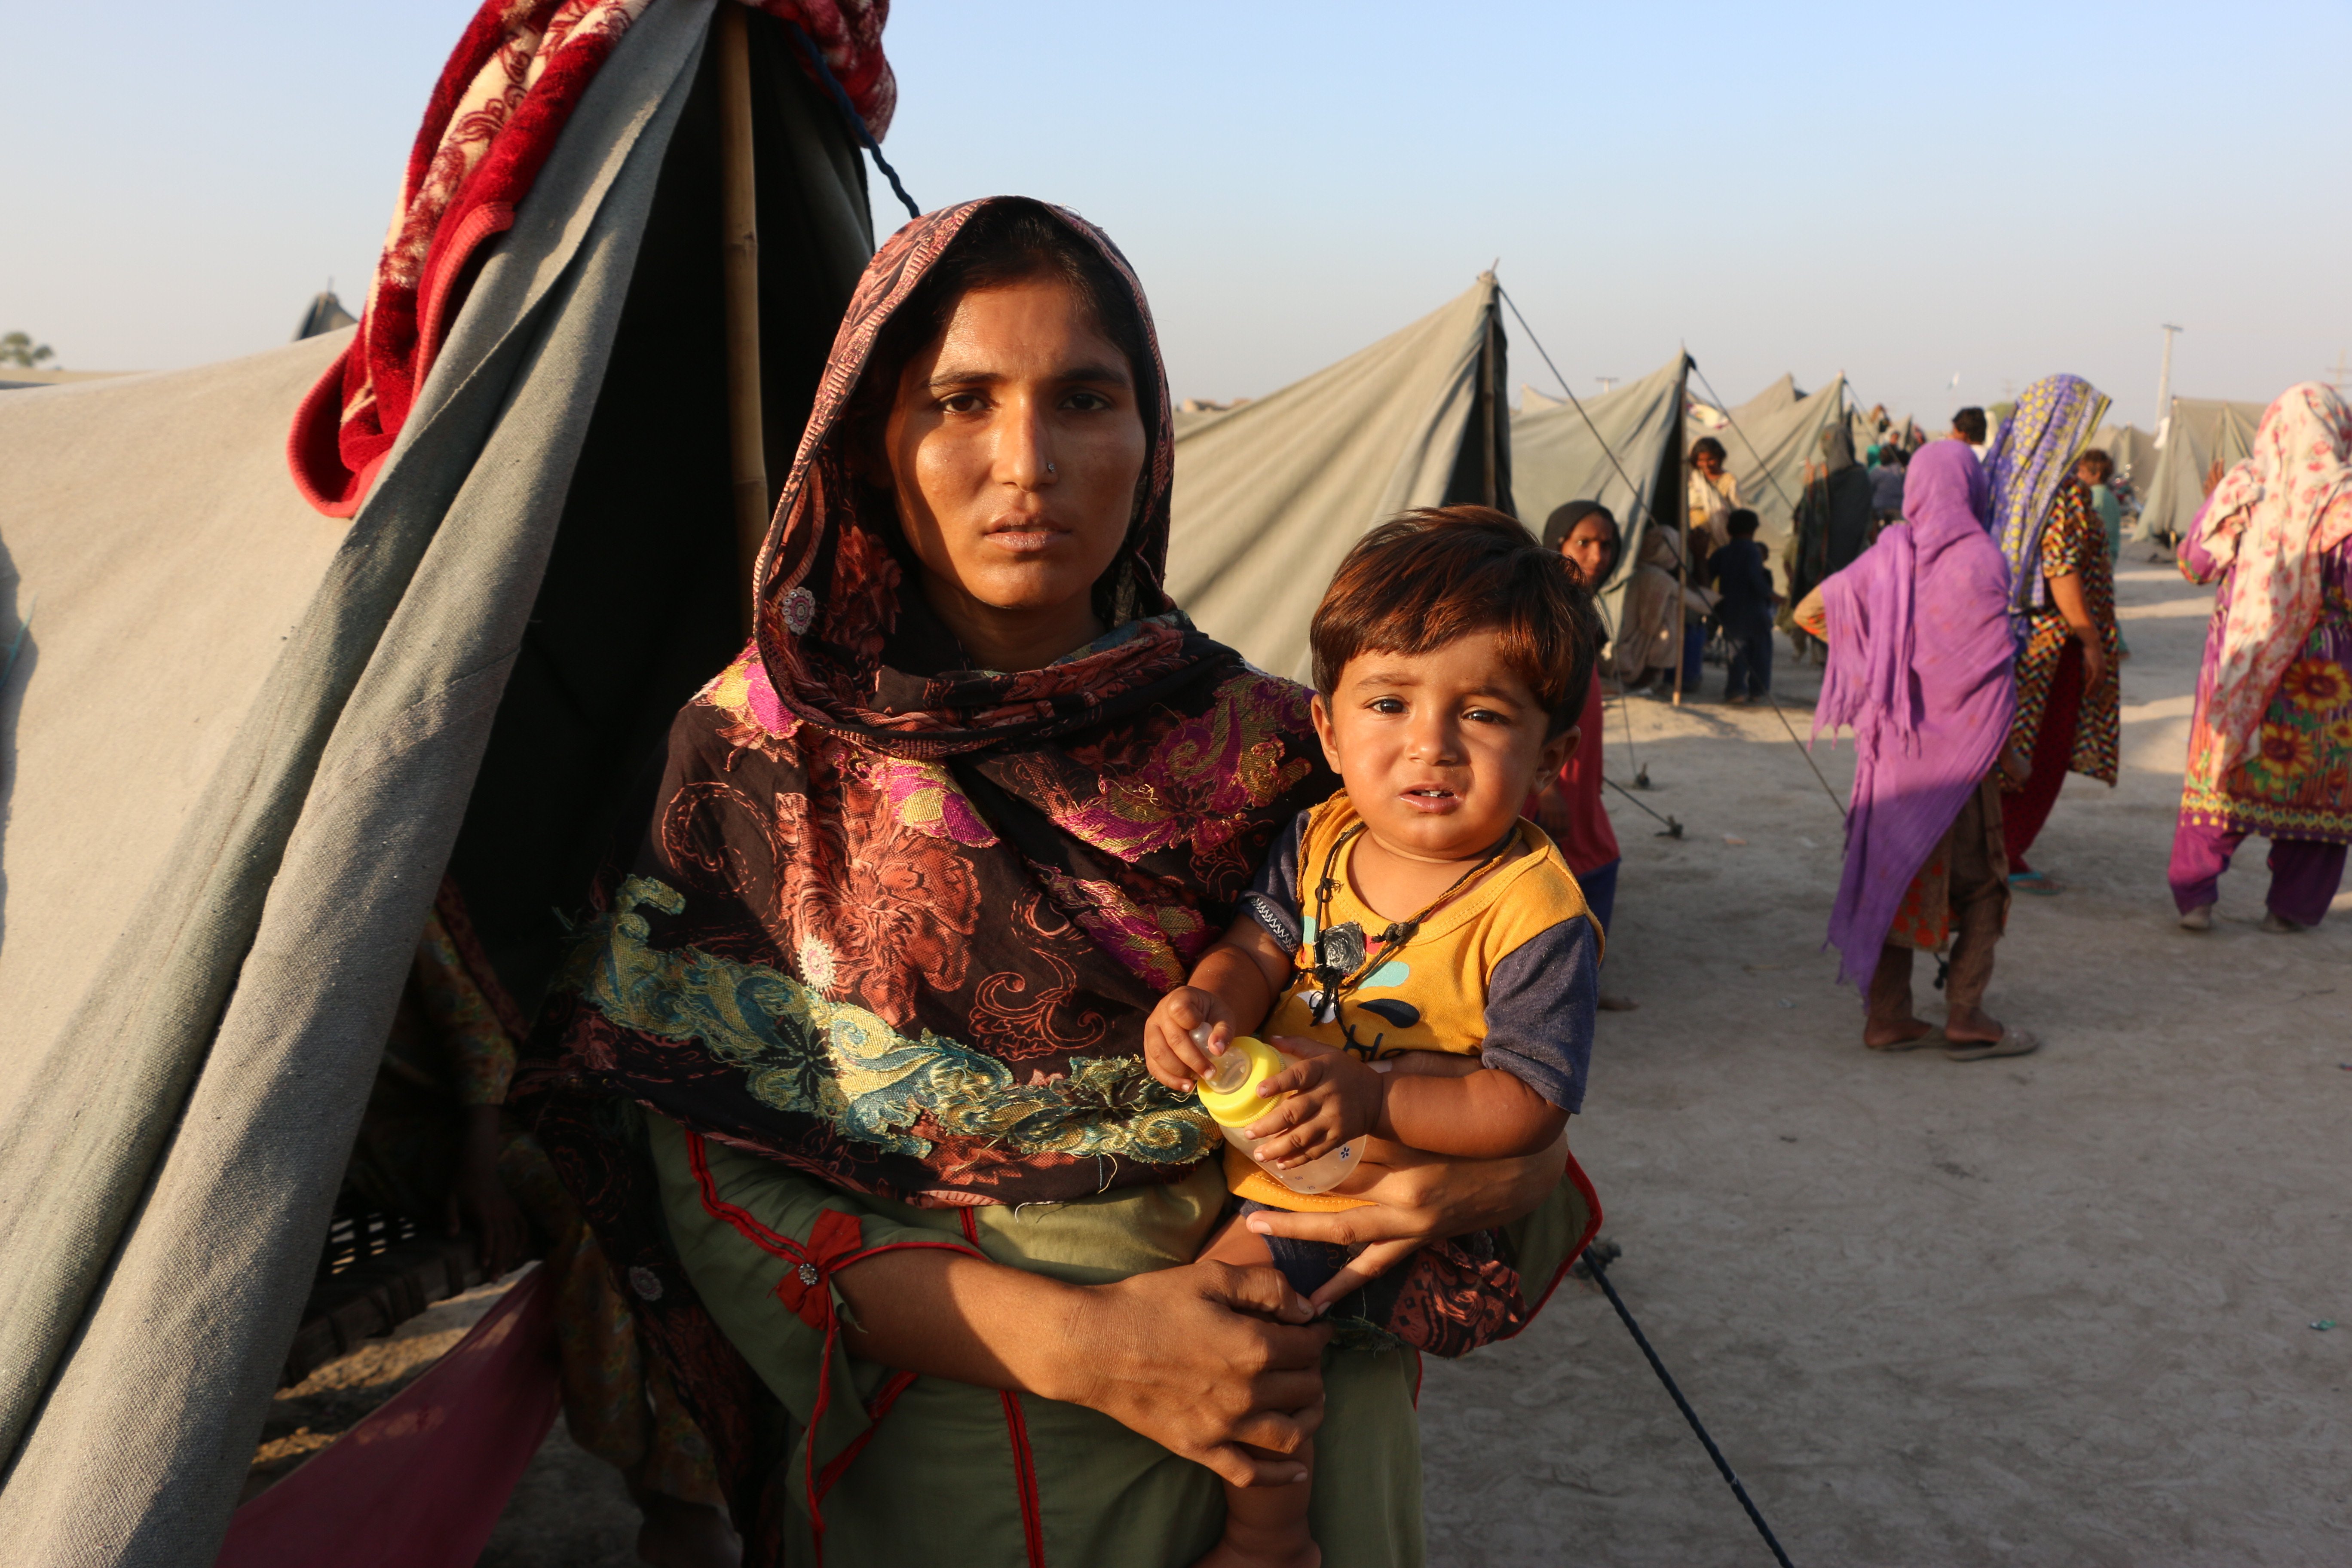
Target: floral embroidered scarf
[[901, 929], [2031, 457], [2271, 522]]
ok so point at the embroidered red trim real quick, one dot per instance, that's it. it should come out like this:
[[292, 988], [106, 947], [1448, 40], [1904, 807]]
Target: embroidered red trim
[[1025, 1477], [835, 1242]]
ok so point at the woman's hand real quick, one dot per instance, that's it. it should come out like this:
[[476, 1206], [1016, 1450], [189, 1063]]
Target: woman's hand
[[1203, 1358], [1418, 1199], [1200, 1358]]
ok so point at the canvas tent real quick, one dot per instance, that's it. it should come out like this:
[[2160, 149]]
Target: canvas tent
[[1766, 442], [244, 740], [2197, 432], [324, 313], [1623, 449], [1270, 495]]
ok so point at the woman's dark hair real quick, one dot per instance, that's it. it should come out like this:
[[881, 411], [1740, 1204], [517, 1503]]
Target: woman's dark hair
[[1007, 242], [1706, 444], [1428, 578], [1742, 523]]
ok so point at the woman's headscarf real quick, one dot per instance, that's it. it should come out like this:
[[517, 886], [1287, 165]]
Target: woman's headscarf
[[2270, 519], [1919, 667], [2031, 457], [900, 927]]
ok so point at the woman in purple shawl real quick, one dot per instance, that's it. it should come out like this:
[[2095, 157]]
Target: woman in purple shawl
[[1920, 667]]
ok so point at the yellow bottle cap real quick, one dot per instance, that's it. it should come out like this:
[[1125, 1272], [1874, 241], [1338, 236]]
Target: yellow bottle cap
[[1229, 1089]]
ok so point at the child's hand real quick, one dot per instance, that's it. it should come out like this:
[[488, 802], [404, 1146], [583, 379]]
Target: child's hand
[[1170, 1053], [1333, 1098]]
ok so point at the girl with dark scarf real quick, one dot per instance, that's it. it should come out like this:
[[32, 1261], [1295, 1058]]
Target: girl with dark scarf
[[846, 1066]]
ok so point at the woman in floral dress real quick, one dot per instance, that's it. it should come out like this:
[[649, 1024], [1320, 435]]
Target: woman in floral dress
[[2062, 603], [2270, 750]]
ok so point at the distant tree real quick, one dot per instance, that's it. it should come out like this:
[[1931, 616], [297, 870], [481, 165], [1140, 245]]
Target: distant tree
[[19, 349]]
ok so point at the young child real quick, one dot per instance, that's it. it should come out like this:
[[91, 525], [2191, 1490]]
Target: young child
[[1424, 954], [1745, 611]]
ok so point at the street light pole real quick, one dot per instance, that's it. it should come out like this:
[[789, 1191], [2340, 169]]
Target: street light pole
[[2164, 386]]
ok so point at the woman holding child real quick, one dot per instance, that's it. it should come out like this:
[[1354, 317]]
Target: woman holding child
[[847, 1069]]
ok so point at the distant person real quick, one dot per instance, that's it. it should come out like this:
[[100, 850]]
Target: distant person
[[1711, 493], [2062, 595], [1568, 805], [1833, 524], [1968, 424], [2270, 747], [2095, 469], [1743, 611], [1649, 635], [1919, 666], [1887, 484]]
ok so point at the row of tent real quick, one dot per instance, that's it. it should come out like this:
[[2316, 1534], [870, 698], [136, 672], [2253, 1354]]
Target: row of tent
[[241, 741], [1270, 494]]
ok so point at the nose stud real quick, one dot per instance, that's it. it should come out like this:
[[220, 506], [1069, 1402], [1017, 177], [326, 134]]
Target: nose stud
[[1049, 468]]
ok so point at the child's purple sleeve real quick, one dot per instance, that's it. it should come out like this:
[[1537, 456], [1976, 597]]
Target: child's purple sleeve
[[1540, 1005], [1272, 896]]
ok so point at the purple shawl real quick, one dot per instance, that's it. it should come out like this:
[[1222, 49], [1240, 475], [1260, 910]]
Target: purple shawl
[[1920, 657]]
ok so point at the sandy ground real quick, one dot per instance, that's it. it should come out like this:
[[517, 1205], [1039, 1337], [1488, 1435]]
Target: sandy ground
[[2054, 1309]]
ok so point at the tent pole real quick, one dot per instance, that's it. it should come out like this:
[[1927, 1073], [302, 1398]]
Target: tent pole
[[739, 216], [1490, 372]]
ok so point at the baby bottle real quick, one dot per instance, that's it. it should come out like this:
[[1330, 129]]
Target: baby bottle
[[1229, 1090]]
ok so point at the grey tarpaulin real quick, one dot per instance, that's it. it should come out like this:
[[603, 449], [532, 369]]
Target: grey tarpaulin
[[1270, 495], [2195, 432], [206, 1016], [1629, 433]]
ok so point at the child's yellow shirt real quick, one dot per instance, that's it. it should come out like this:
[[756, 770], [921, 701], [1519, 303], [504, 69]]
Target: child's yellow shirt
[[1508, 971]]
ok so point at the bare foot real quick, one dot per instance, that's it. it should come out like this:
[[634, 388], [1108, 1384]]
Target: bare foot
[[1301, 1553], [1972, 1027], [2278, 925], [1909, 1035], [2198, 918], [680, 1534]]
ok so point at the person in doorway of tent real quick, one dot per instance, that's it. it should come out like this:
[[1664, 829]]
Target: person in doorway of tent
[[1920, 668], [1743, 610], [846, 1066], [1649, 632], [2270, 747], [1886, 485], [1968, 426], [2069, 701], [2096, 469], [1451, 654], [1568, 805], [435, 1146], [1832, 526], [1712, 492]]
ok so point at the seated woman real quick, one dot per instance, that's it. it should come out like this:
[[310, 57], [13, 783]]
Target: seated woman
[[847, 1066]]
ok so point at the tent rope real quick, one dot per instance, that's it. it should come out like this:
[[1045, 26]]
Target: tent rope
[[1578, 403], [1807, 753], [1600, 1276], [857, 121]]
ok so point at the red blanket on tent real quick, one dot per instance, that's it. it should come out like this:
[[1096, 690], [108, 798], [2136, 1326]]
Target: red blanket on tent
[[494, 116]]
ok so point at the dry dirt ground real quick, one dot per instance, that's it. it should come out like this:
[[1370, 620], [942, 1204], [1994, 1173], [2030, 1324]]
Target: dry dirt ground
[[2050, 1311]]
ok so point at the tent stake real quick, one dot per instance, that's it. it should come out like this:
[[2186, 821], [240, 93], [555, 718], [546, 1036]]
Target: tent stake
[[739, 217]]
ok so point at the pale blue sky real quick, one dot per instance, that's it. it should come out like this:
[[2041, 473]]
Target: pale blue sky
[[1999, 190]]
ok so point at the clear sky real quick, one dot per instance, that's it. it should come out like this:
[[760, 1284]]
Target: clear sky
[[1905, 194]]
